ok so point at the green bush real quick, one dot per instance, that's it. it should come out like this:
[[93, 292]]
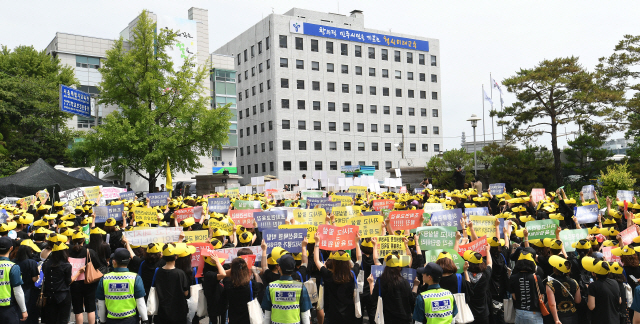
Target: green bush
[[618, 177]]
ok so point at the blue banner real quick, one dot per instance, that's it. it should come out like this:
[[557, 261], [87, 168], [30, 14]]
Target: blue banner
[[479, 211], [3, 216], [288, 239], [371, 213], [75, 101], [312, 202], [450, 217], [105, 212], [157, 199], [497, 188], [408, 274], [218, 205], [270, 219], [357, 36], [625, 195], [588, 192], [350, 194], [127, 195], [328, 206], [586, 214]]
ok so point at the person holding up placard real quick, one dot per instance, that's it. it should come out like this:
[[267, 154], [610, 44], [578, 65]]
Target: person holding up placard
[[397, 298], [524, 285], [562, 292], [212, 287], [240, 289], [57, 278], [480, 277], [172, 286], [83, 295]]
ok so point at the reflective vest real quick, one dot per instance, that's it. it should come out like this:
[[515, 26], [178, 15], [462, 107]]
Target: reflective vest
[[5, 283], [285, 301], [118, 294], [438, 306]]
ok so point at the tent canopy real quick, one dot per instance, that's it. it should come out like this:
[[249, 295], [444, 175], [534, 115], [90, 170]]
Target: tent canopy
[[83, 174], [40, 175]]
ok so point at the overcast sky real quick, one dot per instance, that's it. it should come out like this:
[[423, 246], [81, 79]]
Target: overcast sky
[[476, 38]]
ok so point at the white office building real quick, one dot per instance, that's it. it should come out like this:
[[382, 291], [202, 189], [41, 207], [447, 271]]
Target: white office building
[[317, 91]]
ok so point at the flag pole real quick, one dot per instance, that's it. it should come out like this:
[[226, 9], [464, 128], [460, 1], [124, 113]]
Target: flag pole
[[493, 135], [484, 136]]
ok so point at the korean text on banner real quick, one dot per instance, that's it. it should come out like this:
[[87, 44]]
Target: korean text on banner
[[250, 259], [146, 215], [369, 226], [405, 219], [127, 195], [288, 239], [233, 252], [497, 188], [480, 211], [312, 202], [485, 225], [312, 194], [224, 225], [450, 217], [344, 200], [270, 219], [379, 204], [105, 212], [569, 237], [333, 238], [232, 193], [433, 207], [586, 214], [432, 256], [157, 198], [154, 235], [479, 245], [72, 197], [329, 206], [243, 217], [587, 192], [184, 213], [343, 214], [347, 194], [436, 237], [391, 243], [358, 190], [246, 204], [77, 264], [311, 230], [608, 256], [110, 193], [196, 236], [541, 229], [625, 195], [93, 193], [628, 235], [537, 194], [218, 205], [314, 217]]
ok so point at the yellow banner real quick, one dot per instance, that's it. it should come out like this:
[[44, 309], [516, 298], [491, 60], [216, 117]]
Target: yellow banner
[[232, 193], [146, 215], [343, 214], [92, 193], [360, 190], [197, 236], [390, 243], [225, 225], [369, 226], [483, 225], [344, 200], [314, 216], [311, 230]]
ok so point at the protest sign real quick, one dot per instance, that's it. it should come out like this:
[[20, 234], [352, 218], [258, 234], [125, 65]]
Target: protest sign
[[43, 195], [376, 272], [197, 236], [311, 230], [368, 226], [372, 213], [449, 217], [606, 252], [343, 214], [312, 202], [541, 229], [391, 243], [312, 194], [268, 193], [184, 213], [385, 212], [111, 193], [270, 219], [87, 230], [625, 195], [333, 238], [587, 192], [352, 195], [497, 188], [403, 189], [202, 250], [232, 193], [232, 253], [432, 255], [409, 274], [436, 237], [628, 235], [537, 194], [224, 225], [344, 200], [315, 216], [433, 207], [250, 259], [157, 198], [243, 217], [3, 216], [586, 214], [146, 215], [480, 211], [404, 219], [127, 195], [93, 193], [358, 190], [328, 206], [154, 235], [246, 204], [76, 265], [569, 237], [383, 203], [479, 245], [301, 202], [218, 205], [288, 239], [485, 225], [286, 195], [72, 197], [29, 200], [105, 212]]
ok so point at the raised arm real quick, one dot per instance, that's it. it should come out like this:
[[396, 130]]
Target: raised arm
[[376, 258], [316, 254], [305, 258]]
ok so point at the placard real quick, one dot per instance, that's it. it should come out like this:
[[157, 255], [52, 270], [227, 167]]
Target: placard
[[608, 256], [358, 190], [328, 206], [391, 243], [314, 217], [628, 235], [154, 235], [93, 193], [311, 230], [433, 207], [379, 204], [368, 226], [250, 259], [343, 214], [344, 200], [232, 193], [625, 195], [449, 217], [569, 237], [103, 213], [222, 225], [76, 265], [405, 219], [196, 236], [347, 194], [541, 229], [497, 188], [286, 195], [202, 250], [408, 274], [372, 213], [157, 198], [586, 214], [302, 203], [485, 225], [587, 192], [480, 211], [432, 256], [537, 194], [288, 239], [243, 217], [146, 215], [43, 195], [72, 197], [333, 238], [437, 237], [246, 204], [270, 219], [479, 245], [127, 195], [218, 205], [184, 213], [111, 193], [312, 202], [312, 194]]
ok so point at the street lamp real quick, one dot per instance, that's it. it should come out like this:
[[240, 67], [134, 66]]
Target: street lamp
[[474, 123]]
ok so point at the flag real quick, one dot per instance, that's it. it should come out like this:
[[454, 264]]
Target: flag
[[496, 85], [501, 101], [168, 184], [487, 98]]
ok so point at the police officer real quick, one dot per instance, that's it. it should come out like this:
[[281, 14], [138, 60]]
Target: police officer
[[435, 305], [119, 292], [286, 301], [10, 277]]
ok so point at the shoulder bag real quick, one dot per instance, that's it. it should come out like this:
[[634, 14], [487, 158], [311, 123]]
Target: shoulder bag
[[543, 309], [42, 300], [356, 296], [91, 274]]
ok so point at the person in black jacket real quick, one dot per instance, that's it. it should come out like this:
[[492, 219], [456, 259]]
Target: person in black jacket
[[57, 278], [458, 177]]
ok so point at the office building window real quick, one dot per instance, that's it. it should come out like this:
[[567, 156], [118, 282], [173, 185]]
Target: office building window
[[436, 130], [398, 110], [300, 64], [345, 107], [409, 75], [270, 146], [286, 145], [412, 147], [239, 60], [259, 47], [396, 56], [330, 67], [399, 129], [412, 111], [331, 106], [286, 124], [267, 43], [387, 147], [344, 69], [284, 62], [358, 51], [302, 145], [286, 165], [386, 110], [284, 83], [434, 62], [317, 125], [434, 78], [346, 127], [253, 71], [242, 169], [315, 85], [361, 146], [332, 126], [333, 165], [284, 103], [375, 165], [387, 164], [425, 147], [347, 163], [331, 87], [385, 92], [261, 127], [374, 128], [398, 74], [329, 47], [358, 89], [264, 167], [283, 41], [314, 45], [374, 147], [241, 130], [372, 52], [263, 147], [372, 72], [316, 104], [409, 57], [422, 77], [423, 130], [302, 125], [436, 147], [423, 94], [301, 104], [248, 131], [271, 166], [421, 59], [347, 146], [410, 93], [434, 95], [359, 108], [315, 66], [358, 70], [268, 64], [345, 88], [318, 166], [253, 90], [360, 127], [434, 112], [270, 125], [423, 112], [412, 129], [245, 55], [317, 145], [300, 84], [261, 88], [387, 128], [373, 109], [385, 55], [385, 73], [333, 146], [299, 43], [344, 49], [398, 92]]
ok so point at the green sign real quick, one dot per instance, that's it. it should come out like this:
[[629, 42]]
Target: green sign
[[86, 230], [426, 217], [385, 212], [303, 203], [542, 228], [437, 237], [246, 204], [569, 237], [432, 255]]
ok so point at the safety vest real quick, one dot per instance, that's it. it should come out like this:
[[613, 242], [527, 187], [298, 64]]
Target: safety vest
[[438, 306], [5, 283], [285, 301], [118, 294]]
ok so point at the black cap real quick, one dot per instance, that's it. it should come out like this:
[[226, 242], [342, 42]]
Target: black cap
[[5, 244], [122, 256], [287, 263], [431, 269]]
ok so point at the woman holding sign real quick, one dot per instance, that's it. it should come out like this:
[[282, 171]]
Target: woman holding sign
[[83, 295], [239, 290], [397, 298]]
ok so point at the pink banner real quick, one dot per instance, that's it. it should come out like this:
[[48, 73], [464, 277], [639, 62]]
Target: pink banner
[[606, 252], [182, 214], [243, 217], [479, 245], [202, 250], [380, 204], [405, 219], [333, 238], [250, 259], [77, 264], [537, 194], [629, 234]]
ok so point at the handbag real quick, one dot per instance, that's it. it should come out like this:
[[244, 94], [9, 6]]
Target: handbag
[[202, 310], [629, 293], [509, 310], [464, 312], [321, 295], [152, 301], [42, 300], [379, 317], [193, 300], [255, 311], [91, 274], [543, 308], [312, 289], [356, 296]]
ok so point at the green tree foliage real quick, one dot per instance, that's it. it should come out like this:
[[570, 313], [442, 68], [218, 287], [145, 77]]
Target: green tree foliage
[[31, 122], [8, 166], [441, 168], [617, 177], [555, 93], [164, 109], [524, 169], [586, 157]]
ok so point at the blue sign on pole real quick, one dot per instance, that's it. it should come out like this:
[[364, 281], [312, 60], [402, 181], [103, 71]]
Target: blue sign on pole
[[450, 217], [157, 198], [288, 239], [586, 214], [219, 205], [75, 101], [127, 195], [105, 212], [478, 211], [312, 202], [270, 219]]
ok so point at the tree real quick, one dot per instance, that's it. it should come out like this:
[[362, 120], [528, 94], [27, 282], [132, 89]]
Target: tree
[[31, 122], [163, 112], [522, 169], [618, 177], [8, 166], [440, 168], [586, 157], [554, 93]]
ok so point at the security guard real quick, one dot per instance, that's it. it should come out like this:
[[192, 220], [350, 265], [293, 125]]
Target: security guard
[[10, 277], [435, 305], [120, 291], [286, 301]]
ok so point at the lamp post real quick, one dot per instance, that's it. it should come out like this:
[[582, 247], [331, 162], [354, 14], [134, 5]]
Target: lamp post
[[474, 123]]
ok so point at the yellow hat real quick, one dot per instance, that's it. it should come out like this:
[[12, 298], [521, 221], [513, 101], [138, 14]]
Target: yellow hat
[[68, 232], [187, 250], [614, 213], [599, 267], [527, 218], [218, 232], [368, 243], [560, 263], [8, 226], [504, 215], [59, 246], [298, 256], [549, 209], [609, 221], [609, 231], [53, 237], [87, 220], [526, 256], [588, 203], [583, 244], [154, 248], [610, 243], [444, 254], [97, 230], [58, 203], [245, 237], [570, 201], [25, 219], [110, 222], [473, 257], [32, 245], [552, 243], [187, 222], [468, 205], [41, 222], [557, 216], [42, 207], [68, 217], [494, 241], [79, 235], [594, 230], [393, 260], [240, 229], [615, 268], [620, 251], [171, 249], [336, 256], [50, 216], [518, 209], [43, 230], [217, 244], [537, 242]]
